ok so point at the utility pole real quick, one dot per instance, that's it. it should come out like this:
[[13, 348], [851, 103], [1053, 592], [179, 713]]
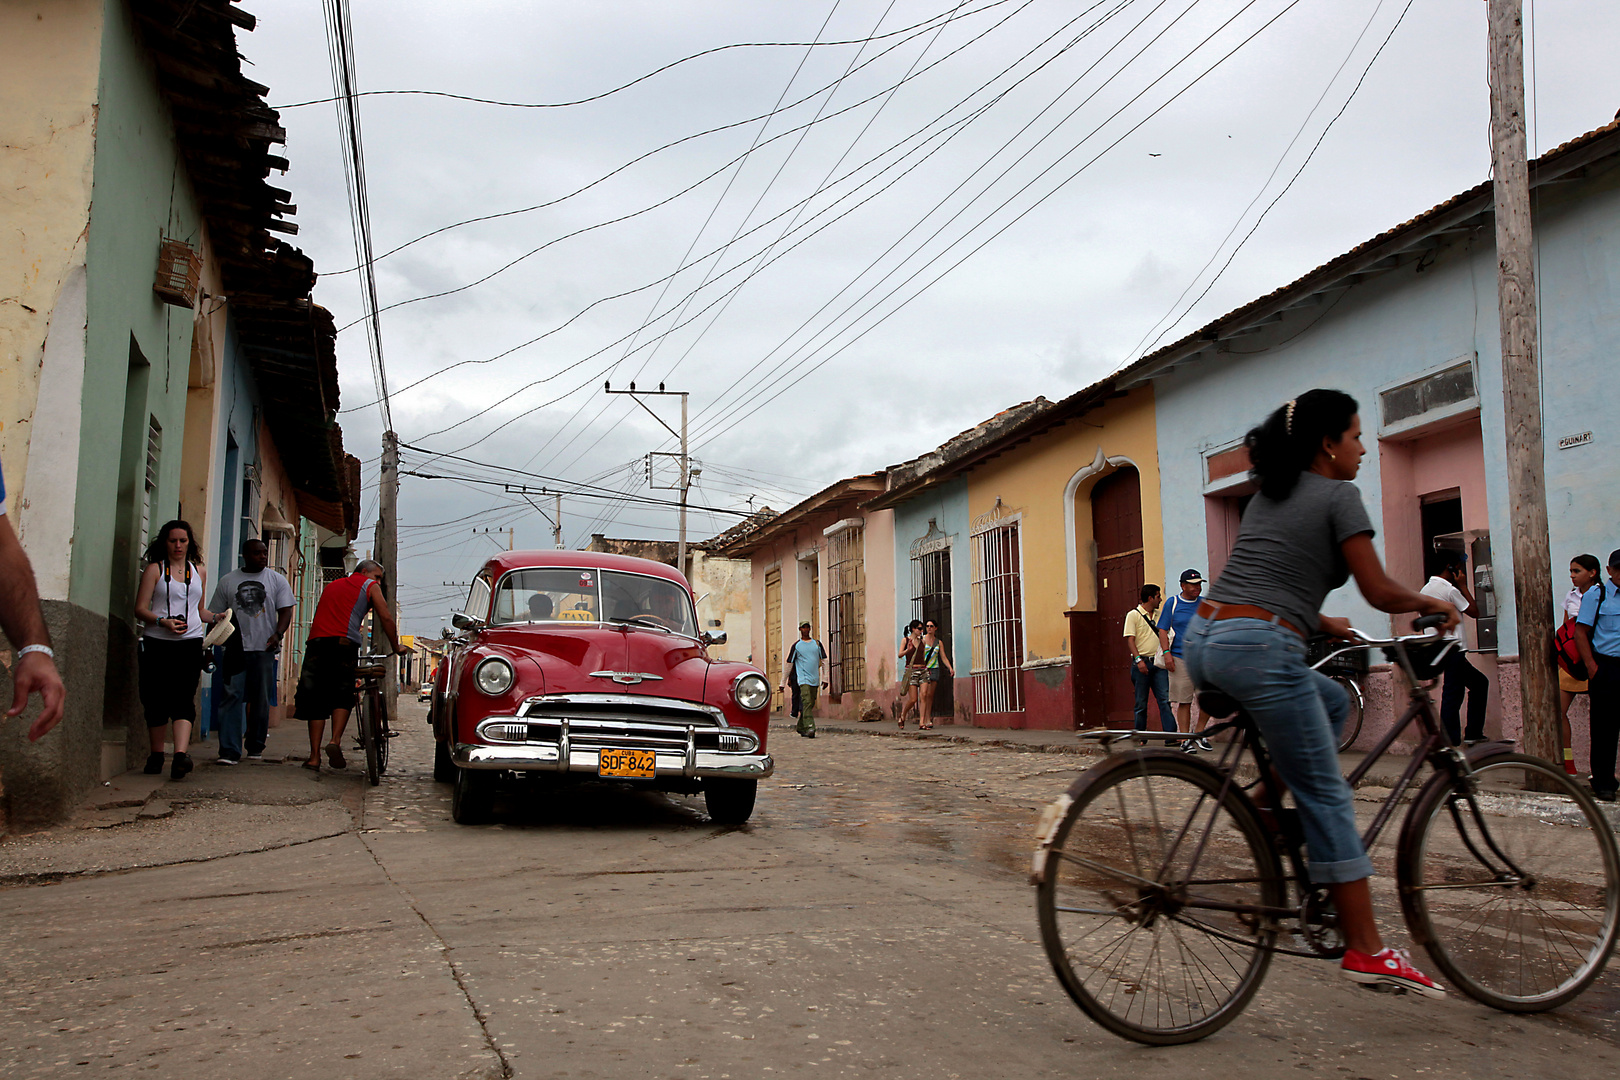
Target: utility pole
[[685, 484], [387, 544], [556, 524], [1521, 385]]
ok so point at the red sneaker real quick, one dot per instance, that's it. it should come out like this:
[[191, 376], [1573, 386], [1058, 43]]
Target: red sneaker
[[1392, 967]]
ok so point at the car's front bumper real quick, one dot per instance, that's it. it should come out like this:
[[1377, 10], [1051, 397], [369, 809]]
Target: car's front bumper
[[689, 763]]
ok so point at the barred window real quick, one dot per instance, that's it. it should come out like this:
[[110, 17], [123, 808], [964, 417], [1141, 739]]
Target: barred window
[[846, 611], [998, 621]]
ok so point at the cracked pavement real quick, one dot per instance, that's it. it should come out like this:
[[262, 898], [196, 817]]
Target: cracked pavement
[[873, 918]]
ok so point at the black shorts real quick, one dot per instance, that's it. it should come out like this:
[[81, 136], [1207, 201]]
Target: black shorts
[[327, 679], [169, 671]]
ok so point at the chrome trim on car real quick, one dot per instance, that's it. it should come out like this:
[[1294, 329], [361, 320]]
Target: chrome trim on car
[[627, 706], [702, 764], [627, 678]]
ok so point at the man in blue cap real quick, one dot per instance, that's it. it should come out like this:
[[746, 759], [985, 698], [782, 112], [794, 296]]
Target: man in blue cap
[[1177, 612]]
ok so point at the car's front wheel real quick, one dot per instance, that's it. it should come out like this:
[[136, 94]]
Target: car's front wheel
[[730, 802], [444, 767], [473, 797]]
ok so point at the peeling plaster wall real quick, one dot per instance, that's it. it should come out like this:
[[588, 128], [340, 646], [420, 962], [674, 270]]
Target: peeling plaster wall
[[49, 63]]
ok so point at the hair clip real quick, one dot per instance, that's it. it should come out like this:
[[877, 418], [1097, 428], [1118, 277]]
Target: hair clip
[[1288, 419]]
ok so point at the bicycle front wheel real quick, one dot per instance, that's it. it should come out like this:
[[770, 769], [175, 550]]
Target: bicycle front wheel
[[1352, 723], [383, 732], [369, 737], [1149, 895], [1513, 891]]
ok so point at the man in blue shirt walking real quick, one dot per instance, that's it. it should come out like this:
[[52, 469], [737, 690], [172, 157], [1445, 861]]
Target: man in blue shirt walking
[[804, 660], [1174, 617], [1597, 629]]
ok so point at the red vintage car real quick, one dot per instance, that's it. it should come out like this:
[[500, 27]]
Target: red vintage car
[[577, 665]]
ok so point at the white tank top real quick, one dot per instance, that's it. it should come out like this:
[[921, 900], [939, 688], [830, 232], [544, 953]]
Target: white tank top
[[176, 596]]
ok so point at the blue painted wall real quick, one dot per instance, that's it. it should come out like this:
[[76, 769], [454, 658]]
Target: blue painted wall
[[948, 506], [1407, 322]]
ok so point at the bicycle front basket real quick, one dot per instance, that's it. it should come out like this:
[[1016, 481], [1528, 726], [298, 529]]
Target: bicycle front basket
[[1352, 663]]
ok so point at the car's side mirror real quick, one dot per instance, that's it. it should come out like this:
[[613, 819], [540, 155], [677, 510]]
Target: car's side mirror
[[462, 621], [713, 638]]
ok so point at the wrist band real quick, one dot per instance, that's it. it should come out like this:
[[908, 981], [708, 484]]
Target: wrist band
[[26, 649]]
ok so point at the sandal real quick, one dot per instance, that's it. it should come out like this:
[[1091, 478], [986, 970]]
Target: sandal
[[334, 756], [312, 766]]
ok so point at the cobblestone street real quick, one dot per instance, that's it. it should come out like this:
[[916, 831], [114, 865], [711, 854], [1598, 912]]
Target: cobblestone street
[[874, 917]]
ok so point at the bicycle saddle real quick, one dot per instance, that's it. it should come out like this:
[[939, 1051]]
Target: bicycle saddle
[[1215, 704]]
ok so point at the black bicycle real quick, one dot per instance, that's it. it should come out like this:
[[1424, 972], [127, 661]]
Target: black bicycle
[[371, 730], [1163, 890]]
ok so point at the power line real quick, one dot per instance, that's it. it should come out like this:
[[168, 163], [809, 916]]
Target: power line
[[1042, 199], [340, 46], [960, 126], [1144, 346], [651, 74], [669, 199]]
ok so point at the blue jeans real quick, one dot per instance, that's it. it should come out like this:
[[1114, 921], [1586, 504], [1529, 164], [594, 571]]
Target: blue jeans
[[1158, 680], [1300, 713], [245, 708]]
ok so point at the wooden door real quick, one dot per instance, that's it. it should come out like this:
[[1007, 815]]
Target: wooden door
[[1116, 521], [773, 630]]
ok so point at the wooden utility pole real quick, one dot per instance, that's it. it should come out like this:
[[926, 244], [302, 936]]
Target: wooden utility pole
[[1521, 385], [388, 554], [556, 525], [685, 484]]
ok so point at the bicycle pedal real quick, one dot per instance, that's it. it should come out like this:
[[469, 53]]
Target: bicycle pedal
[[392, 734]]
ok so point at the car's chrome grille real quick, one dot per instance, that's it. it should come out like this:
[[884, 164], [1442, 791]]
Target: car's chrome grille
[[601, 722]]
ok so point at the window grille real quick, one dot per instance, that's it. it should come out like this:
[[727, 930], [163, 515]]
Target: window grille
[[846, 611], [998, 621], [1453, 386], [154, 454]]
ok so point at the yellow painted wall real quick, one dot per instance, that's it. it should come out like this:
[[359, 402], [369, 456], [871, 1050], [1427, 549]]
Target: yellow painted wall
[[50, 56], [1030, 480]]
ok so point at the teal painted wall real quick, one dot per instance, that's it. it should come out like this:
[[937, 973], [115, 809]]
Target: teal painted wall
[[139, 194]]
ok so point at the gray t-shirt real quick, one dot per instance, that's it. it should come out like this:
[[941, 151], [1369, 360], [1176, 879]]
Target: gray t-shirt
[[255, 598], [1287, 557]]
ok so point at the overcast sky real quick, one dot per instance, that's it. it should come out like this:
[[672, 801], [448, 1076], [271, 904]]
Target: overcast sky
[[991, 201]]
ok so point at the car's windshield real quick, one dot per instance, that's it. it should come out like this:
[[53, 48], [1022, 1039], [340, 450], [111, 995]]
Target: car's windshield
[[559, 594]]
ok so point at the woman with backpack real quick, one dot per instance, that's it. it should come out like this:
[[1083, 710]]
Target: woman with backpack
[[1584, 571]]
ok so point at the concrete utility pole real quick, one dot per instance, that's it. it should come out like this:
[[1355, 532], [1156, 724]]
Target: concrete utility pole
[[388, 553], [685, 484], [1521, 386]]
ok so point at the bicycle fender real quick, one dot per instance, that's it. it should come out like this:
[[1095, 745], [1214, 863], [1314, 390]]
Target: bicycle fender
[[1051, 818]]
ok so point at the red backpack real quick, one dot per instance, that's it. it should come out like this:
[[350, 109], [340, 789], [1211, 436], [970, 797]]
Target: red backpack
[[1567, 650]]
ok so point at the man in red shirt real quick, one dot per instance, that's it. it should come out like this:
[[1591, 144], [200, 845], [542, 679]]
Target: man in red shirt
[[326, 684]]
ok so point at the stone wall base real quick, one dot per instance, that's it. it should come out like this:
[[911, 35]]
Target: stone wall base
[[41, 783]]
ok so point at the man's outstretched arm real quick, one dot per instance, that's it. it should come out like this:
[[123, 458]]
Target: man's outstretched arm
[[24, 625]]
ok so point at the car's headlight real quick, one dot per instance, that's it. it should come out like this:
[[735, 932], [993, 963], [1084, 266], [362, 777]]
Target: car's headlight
[[493, 676], [751, 690]]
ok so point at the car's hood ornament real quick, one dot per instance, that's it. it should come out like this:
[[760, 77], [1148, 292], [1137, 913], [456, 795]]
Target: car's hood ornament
[[627, 678]]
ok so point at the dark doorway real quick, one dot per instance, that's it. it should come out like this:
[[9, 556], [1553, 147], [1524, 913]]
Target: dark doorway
[[1116, 525], [1442, 521], [931, 600]]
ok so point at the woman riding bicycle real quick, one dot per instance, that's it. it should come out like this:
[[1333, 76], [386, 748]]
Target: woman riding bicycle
[[1302, 535]]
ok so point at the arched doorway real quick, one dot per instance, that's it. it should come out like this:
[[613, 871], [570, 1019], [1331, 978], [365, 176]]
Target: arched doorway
[[1116, 526]]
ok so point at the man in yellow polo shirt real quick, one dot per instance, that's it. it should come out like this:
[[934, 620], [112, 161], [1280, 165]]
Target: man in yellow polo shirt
[[1142, 638]]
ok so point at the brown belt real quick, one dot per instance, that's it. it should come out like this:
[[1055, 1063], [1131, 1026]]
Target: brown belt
[[1216, 612]]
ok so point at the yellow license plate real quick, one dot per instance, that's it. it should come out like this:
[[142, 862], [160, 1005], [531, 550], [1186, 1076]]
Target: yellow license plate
[[639, 763]]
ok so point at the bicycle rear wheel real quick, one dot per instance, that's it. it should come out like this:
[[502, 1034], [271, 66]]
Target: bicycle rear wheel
[[1515, 891], [1352, 723], [1129, 895]]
